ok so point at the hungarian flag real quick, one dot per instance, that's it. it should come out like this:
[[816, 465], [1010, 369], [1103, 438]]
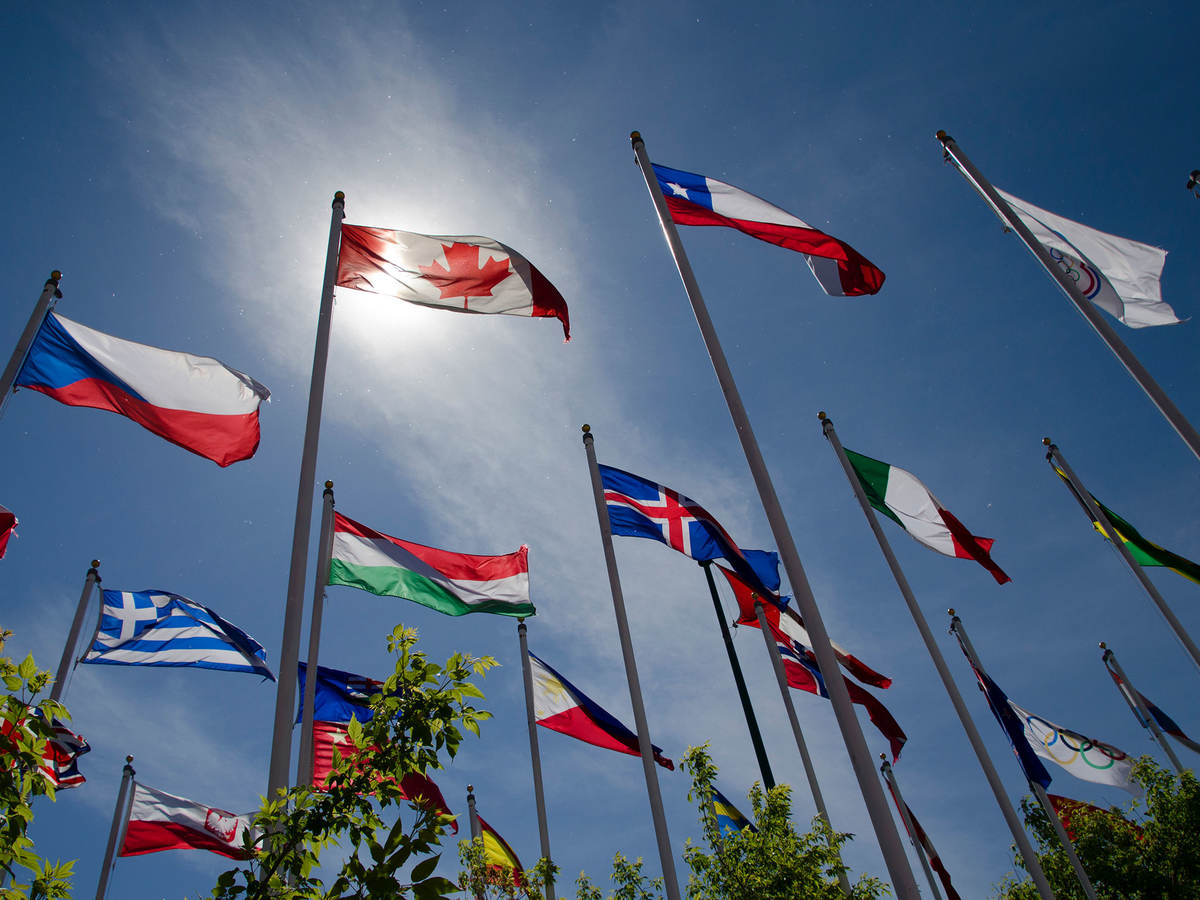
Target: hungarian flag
[[451, 583], [786, 622], [162, 821], [466, 273], [1144, 552], [8, 527], [901, 497], [560, 706], [698, 200], [497, 854]]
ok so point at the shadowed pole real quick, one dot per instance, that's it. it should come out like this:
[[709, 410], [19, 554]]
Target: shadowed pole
[[68, 654], [535, 756], [50, 293], [304, 766], [119, 820], [890, 777], [1136, 706]]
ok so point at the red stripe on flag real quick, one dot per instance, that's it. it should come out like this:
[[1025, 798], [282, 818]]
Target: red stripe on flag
[[968, 546], [151, 837], [460, 566]]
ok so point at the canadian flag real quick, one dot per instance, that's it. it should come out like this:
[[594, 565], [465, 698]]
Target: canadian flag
[[162, 821]]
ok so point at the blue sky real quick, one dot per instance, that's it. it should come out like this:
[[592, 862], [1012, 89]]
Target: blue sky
[[177, 165]]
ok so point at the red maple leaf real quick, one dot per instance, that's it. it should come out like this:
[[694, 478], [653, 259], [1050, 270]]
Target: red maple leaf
[[462, 275]]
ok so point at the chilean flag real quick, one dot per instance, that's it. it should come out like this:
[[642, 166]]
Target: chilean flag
[[698, 200], [197, 402], [560, 706]]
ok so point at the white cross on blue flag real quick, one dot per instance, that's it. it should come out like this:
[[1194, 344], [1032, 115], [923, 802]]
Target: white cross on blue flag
[[158, 628]]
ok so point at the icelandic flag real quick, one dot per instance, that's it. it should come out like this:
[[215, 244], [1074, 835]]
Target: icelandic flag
[[158, 628], [560, 706], [637, 507], [730, 821], [698, 200], [340, 697], [197, 402]]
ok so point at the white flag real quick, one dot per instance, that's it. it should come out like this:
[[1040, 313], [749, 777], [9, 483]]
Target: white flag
[[1117, 274], [1083, 757]]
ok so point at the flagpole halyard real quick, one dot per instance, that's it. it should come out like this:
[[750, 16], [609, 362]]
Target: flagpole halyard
[[901, 807], [1053, 455], [670, 878], [1085, 307], [1134, 701], [50, 293], [68, 655], [119, 820], [289, 652], [760, 751], [810, 771], [939, 662], [856, 746], [304, 766], [535, 755]]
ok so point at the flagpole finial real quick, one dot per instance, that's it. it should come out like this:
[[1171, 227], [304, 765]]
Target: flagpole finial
[[586, 429], [951, 611], [95, 563], [883, 758], [821, 415], [55, 276], [1103, 646], [1047, 442], [470, 788], [942, 136], [129, 759], [338, 197], [635, 138]]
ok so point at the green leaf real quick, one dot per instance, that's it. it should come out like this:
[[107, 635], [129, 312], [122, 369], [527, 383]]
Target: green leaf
[[424, 869]]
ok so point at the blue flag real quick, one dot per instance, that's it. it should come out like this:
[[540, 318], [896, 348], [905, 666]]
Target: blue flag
[[641, 508], [729, 820], [158, 628], [340, 695]]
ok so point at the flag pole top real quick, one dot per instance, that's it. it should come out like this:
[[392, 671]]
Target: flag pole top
[[95, 563], [55, 276], [329, 485], [635, 138], [129, 759], [339, 197], [951, 611], [1047, 442], [821, 415], [1103, 646], [942, 136], [586, 428]]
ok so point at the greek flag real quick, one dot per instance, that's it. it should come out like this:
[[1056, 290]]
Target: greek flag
[[158, 628]]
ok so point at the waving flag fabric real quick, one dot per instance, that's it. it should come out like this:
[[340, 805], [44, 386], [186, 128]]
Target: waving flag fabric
[[60, 755], [8, 526], [729, 820], [562, 707], [698, 200], [935, 861], [497, 853], [638, 507], [786, 622], [451, 583], [162, 821], [1165, 722], [197, 402], [158, 628], [465, 273], [901, 497], [1083, 757], [340, 696], [1068, 810], [1119, 275]]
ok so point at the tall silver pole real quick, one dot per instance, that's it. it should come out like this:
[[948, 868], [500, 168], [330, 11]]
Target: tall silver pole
[[890, 777], [1140, 712], [1093, 509], [1064, 839], [476, 829], [939, 662], [1085, 307], [535, 756], [809, 771], [856, 745], [670, 878], [68, 655], [324, 551], [120, 817], [50, 293], [956, 628], [293, 613]]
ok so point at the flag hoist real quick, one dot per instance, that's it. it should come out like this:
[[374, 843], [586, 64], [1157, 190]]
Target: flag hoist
[[1137, 704], [50, 293], [1086, 308], [856, 746], [68, 655], [645, 748], [1028, 856], [535, 756], [304, 768], [1099, 517]]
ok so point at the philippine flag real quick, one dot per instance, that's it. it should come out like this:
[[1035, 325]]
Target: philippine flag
[[698, 200], [197, 402], [560, 706]]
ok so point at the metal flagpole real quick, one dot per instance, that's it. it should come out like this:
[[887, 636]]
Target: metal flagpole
[[1093, 509], [939, 662], [324, 550], [476, 830], [856, 746], [670, 878], [1134, 700], [890, 777], [956, 628], [68, 654], [1085, 307], [809, 770], [764, 765], [535, 755], [289, 651], [50, 293], [119, 820]]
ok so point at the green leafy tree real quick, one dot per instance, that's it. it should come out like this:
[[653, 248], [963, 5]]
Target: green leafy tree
[[1149, 851], [423, 710], [485, 881], [25, 726]]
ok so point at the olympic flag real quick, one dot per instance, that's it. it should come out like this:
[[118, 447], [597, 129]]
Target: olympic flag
[[1083, 757]]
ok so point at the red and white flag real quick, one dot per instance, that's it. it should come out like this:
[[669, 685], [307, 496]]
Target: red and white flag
[[466, 273], [8, 527], [162, 821]]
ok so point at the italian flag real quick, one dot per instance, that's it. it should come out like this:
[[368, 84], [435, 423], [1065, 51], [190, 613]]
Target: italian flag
[[451, 583], [901, 497]]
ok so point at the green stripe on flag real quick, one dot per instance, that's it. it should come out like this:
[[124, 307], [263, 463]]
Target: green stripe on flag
[[873, 476], [395, 581], [1148, 553]]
